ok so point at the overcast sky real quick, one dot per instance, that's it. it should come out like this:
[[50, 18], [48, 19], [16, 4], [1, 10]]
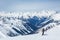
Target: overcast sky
[[18, 5]]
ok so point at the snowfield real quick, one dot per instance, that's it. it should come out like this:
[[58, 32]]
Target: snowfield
[[29, 25]]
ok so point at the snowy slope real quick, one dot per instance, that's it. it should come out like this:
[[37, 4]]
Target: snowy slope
[[51, 34]]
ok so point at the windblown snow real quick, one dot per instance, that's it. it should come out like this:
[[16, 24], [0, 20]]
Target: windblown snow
[[28, 25]]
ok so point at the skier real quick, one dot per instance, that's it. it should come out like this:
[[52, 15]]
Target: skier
[[43, 31]]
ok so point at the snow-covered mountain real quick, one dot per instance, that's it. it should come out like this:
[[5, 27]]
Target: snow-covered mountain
[[25, 23]]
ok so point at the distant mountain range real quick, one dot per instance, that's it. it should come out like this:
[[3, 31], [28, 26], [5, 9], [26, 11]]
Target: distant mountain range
[[25, 23]]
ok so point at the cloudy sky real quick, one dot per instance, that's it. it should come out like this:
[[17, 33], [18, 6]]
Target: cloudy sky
[[18, 5]]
